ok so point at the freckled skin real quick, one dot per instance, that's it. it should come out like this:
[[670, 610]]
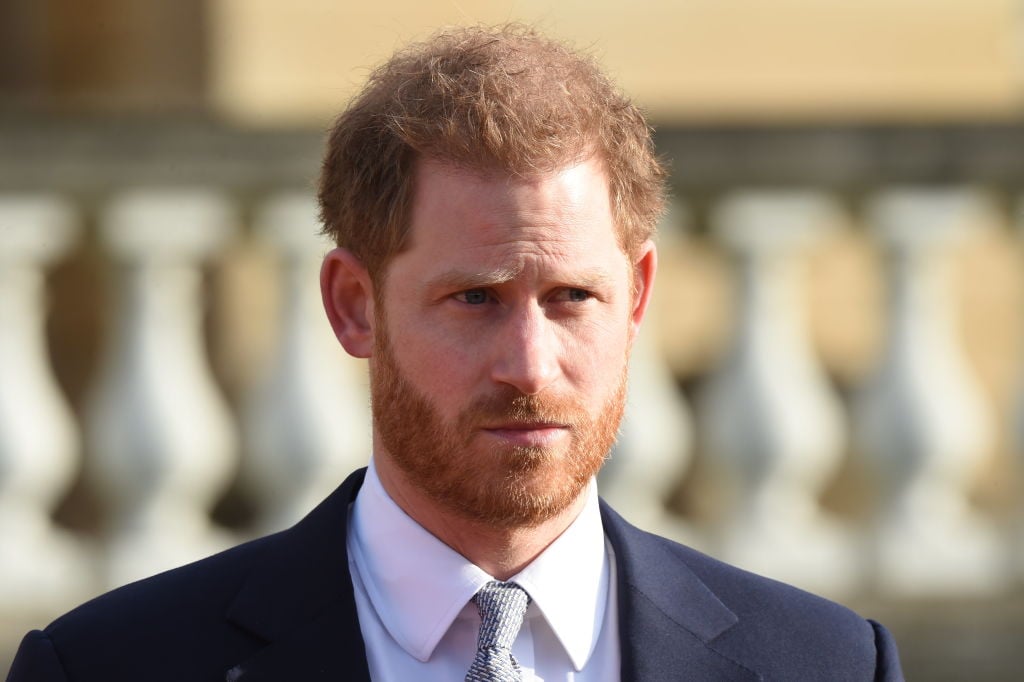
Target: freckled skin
[[498, 360], [546, 231]]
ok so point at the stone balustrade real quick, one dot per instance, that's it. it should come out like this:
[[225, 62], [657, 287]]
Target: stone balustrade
[[174, 421]]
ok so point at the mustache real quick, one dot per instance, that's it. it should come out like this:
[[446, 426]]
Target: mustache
[[512, 406]]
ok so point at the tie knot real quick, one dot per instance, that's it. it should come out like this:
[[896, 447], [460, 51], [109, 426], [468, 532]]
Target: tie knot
[[502, 607]]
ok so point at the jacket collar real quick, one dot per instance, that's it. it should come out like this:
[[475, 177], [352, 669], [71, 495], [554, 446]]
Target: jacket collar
[[301, 601], [668, 617]]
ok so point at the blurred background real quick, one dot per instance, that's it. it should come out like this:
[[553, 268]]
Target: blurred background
[[829, 390]]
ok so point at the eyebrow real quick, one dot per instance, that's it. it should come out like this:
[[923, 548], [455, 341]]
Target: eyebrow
[[461, 280]]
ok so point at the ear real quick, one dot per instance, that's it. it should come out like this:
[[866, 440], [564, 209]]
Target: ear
[[347, 292], [644, 269]]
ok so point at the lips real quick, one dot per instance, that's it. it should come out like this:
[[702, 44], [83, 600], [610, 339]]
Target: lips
[[536, 434]]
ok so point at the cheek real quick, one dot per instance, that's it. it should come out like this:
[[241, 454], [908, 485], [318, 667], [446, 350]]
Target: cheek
[[593, 358], [435, 361]]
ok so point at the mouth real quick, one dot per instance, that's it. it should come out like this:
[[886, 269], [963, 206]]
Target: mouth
[[528, 434]]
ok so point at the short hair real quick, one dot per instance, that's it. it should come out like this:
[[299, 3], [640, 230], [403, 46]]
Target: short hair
[[502, 98]]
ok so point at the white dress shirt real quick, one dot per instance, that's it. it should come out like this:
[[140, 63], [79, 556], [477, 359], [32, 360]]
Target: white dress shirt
[[413, 598]]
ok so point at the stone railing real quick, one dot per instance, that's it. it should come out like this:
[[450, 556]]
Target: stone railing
[[170, 421]]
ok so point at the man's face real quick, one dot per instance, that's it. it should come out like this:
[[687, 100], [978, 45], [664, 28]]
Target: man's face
[[501, 340]]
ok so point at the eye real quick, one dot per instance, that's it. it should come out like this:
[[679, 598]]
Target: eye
[[473, 296], [572, 295], [577, 295]]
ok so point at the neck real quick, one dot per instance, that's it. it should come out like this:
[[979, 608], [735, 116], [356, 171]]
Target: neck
[[501, 552]]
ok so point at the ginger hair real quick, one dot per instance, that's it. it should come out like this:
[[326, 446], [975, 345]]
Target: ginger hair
[[502, 99]]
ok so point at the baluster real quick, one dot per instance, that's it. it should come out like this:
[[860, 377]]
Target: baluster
[[308, 425], [41, 566], [772, 423], [922, 419], [161, 439], [1016, 435], [653, 448]]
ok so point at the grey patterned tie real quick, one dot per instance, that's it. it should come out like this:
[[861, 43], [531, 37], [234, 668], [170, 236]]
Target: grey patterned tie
[[502, 607]]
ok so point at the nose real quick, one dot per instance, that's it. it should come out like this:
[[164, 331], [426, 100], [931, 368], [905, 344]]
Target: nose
[[528, 352]]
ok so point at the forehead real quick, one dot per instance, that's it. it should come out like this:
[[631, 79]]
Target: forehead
[[563, 212]]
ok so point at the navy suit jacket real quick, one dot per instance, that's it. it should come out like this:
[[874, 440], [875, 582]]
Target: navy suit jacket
[[282, 608]]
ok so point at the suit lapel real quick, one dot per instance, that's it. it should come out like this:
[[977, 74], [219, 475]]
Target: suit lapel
[[668, 617], [302, 602], [324, 648]]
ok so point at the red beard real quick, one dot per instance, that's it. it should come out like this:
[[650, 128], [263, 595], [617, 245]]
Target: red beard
[[500, 486]]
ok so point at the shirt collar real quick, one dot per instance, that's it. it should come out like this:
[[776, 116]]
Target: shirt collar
[[568, 582], [418, 585]]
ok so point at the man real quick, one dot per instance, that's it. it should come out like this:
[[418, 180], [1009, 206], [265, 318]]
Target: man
[[493, 199]]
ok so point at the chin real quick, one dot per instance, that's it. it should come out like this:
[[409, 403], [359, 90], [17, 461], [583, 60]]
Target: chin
[[529, 487]]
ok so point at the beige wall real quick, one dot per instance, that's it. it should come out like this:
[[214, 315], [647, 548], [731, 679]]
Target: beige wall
[[276, 62]]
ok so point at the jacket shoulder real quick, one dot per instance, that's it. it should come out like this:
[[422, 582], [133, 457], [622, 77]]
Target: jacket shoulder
[[790, 633], [774, 629], [200, 620], [169, 626]]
